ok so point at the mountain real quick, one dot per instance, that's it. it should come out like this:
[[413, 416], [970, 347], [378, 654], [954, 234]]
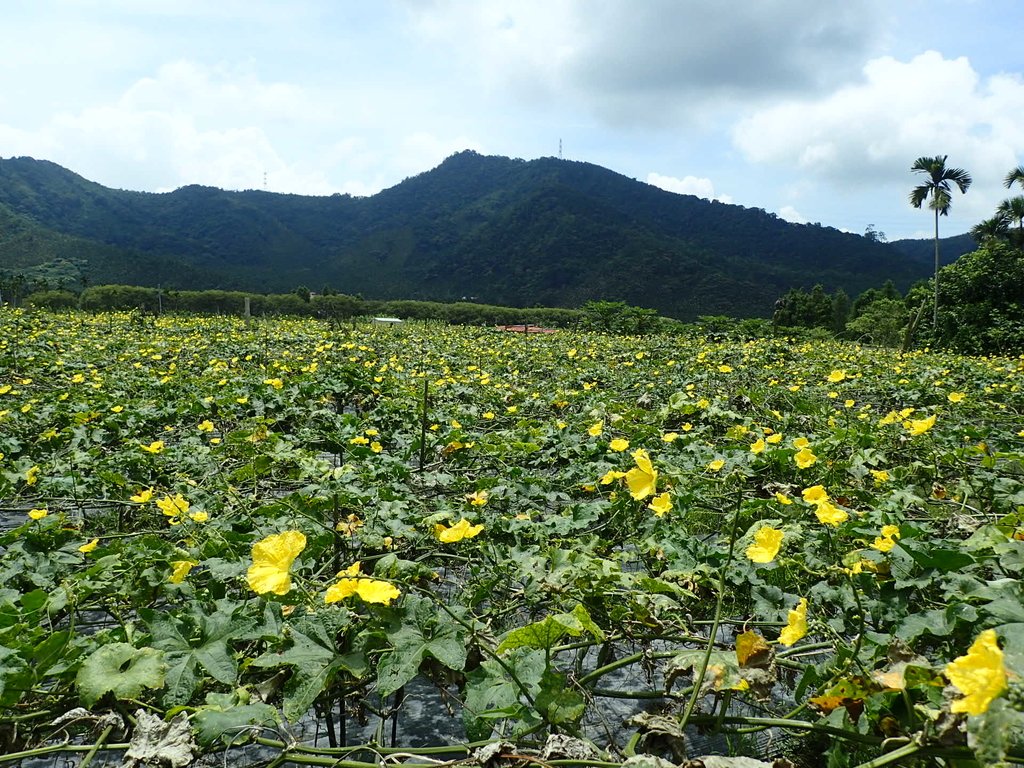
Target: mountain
[[502, 231]]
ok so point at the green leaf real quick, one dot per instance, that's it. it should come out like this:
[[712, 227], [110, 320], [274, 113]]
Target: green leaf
[[224, 718], [548, 631], [556, 702], [314, 661], [492, 694], [120, 669], [15, 677], [418, 630]]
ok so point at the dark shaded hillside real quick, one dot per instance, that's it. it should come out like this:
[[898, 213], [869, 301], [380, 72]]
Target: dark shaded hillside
[[502, 231], [923, 251]]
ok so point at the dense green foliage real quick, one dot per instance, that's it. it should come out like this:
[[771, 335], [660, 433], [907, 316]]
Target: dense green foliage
[[214, 527], [498, 231]]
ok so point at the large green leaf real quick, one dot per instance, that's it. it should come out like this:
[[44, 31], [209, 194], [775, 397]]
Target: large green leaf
[[121, 669], [549, 630], [314, 660], [418, 630]]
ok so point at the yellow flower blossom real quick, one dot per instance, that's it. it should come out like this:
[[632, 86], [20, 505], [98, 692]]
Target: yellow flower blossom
[[376, 447], [596, 429], [796, 625], [461, 530], [836, 376], [275, 383], [767, 541], [89, 546], [618, 444], [38, 514], [782, 498], [32, 476], [757, 446], [155, 447], [611, 476], [774, 439], [828, 514], [272, 559], [919, 426], [725, 368], [477, 498], [368, 589], [670, 437], [801, 442], [199, 517], [805, 458], [174, 507], [643, 478], [716, 465], [880, 475], [979, 675], [359, 440], [143, 496], [181, 570], [660, 504], [816, 494], [205, 426], [956, 397]]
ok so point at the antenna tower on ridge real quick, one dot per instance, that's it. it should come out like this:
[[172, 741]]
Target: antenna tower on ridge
[[559, 149]]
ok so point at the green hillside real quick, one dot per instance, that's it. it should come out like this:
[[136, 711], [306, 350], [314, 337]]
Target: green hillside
[[493, 229]]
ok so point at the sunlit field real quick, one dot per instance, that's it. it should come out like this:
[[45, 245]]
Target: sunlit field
[[645, 545]]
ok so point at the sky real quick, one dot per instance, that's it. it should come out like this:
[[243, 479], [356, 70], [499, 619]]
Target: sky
[[812, 109]]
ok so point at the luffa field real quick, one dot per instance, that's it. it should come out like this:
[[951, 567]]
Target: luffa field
[[281, 541]]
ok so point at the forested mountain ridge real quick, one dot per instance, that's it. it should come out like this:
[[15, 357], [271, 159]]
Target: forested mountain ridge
[[503, 231]]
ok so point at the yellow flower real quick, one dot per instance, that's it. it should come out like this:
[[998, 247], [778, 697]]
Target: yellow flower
[[376, 447], [272, 559], [89, 546], [174, 507], [670, 437], [660, 504], [716, 465], [370, 590], [359, 440], [979, 675], [199, 517], [805, 458], [828, 514], [773, 439], [275, 383], [782, 498], [757, 446], [836, 376], [489, 415], [611, 476], [880, 475], [143, 496], [767, 541], [596, 428], [816, 494], [618, 444], [796, 626], [890, 418], [919, 426], [349, 525], [891, 531], [801, 442], [643, 478], [155, 447], [205, 426], [461, 530], [725, 368], [181, 570], [38, 514], [477, 498], [32, 476], [956, 397]]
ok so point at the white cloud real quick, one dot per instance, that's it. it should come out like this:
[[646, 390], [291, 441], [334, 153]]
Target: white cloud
[[789, 213], [688, 185], [866, 136]]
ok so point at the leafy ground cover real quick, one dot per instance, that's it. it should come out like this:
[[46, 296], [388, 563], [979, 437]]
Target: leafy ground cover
[[215, 529]]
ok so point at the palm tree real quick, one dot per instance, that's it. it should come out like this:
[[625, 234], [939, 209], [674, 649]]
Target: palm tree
[[995, 228], [1012, 210], [1017, 174], [937, 188]]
